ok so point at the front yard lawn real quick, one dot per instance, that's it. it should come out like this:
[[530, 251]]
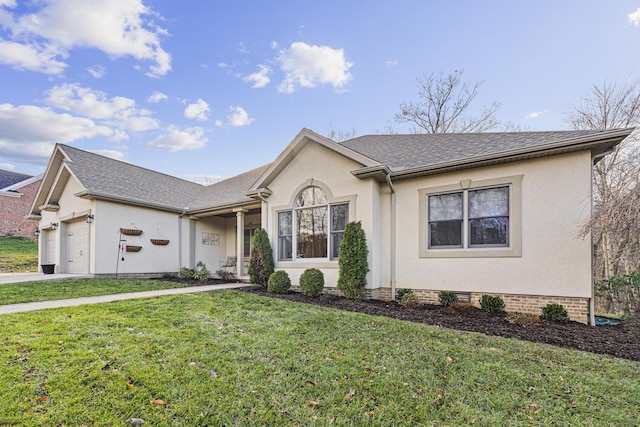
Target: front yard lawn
[[17, 293], [235, 358], [18, 255]]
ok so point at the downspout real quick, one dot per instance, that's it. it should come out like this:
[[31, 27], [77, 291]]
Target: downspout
[[592, 305], [184, 211], [393, 236], [266, 210]]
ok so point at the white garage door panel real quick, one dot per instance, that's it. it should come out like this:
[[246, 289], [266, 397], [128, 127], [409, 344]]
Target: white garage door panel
[[77, 237]]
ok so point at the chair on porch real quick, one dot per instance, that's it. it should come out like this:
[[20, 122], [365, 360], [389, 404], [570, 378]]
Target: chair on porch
[[231, 263]]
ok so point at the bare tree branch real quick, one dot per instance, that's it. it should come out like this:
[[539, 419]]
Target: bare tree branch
[[444, 100]]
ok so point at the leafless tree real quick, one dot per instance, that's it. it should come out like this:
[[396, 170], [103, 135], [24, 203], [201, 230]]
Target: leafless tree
[[444, 101], [341, 135], [615, 222]]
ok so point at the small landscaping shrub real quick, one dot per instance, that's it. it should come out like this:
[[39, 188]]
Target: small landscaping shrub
[[462, 308], [312, 282], [186, 273], [410, 300], [492, 304], [353, 264], [225, 275], [555, 313], [447, 298], [401, 293], [523, 319], [201, 272], [279, 282]]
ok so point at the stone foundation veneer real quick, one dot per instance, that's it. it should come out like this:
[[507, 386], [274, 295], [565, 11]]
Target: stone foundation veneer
[[577, 308]]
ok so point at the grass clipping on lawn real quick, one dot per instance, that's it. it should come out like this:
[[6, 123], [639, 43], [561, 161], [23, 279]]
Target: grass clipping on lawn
[[233, 358]]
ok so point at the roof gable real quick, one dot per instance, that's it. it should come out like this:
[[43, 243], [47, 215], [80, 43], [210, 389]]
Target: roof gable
[[304, 137]]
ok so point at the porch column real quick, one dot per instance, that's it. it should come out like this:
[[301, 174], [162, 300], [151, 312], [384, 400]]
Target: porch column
[[240, 212]]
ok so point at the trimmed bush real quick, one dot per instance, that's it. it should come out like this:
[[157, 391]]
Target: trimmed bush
[[401, 293], [410, 300], [186, 273], [261, 261], [312, 282], [555, 313], [492, 304], [353, 261], [279, 282], [201, 272], [447, 298]]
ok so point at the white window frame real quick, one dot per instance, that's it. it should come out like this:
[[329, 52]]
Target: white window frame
[[331, 201], [514, 238]]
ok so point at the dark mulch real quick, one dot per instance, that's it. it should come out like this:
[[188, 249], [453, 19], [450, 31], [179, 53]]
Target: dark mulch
[[620, 341]]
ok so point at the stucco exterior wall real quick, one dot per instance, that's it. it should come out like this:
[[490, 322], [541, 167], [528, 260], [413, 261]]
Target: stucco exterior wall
[[110, 217], [211, 241], [52, 242], [317, 165], [14, 209], [555, 200]]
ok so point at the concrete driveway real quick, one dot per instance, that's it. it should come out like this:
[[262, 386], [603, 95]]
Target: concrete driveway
[[37, 277]]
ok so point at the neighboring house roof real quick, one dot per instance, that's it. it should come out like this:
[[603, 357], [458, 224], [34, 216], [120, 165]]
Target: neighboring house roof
[[8, 179], [419, 154]]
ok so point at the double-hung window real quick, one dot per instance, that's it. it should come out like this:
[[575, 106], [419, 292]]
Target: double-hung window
[[472, 219], [313, 229], [469, 218]]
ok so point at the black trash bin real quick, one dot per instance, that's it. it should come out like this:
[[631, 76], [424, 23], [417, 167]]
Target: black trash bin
[[48, 268]]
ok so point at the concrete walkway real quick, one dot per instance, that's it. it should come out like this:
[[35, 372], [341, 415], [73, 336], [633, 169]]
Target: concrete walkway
[[6, 278], [30, 306]]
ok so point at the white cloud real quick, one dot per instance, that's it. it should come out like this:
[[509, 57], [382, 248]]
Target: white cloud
[[7, 166], [259, 78], [31, 57], [176, 139], [634, 17], [119, 112], [28, 133], [535, 114], [239, 117], [157, 97], [98, 71], [117, 27], [112, 154], [197, 111], [391, 64], [310, 66]]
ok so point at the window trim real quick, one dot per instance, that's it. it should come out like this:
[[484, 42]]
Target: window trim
[[514, 248], [331, 201]]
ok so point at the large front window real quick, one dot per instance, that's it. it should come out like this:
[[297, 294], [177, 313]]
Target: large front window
[[311, 227]]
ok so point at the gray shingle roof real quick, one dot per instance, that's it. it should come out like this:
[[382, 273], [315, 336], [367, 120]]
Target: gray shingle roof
[[111, 178], [401, 152], [229, 191], [8, 178]]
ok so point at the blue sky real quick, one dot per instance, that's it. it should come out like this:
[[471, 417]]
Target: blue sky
[[209, 89]]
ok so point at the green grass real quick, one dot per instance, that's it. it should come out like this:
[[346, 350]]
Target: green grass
[[18, 254], [17, 293], [282, 363]]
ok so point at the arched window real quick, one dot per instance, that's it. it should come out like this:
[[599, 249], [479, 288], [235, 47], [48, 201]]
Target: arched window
[[314, 227]]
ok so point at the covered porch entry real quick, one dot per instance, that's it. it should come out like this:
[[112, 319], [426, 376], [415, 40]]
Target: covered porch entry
[[222, 238]]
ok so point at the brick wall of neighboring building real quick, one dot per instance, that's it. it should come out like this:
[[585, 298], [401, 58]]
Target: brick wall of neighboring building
[[14, 209]]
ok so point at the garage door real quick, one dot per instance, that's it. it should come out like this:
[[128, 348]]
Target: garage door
[[77, 237]]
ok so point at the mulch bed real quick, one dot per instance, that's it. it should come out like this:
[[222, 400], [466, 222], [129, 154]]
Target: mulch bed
[[620, 341]]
